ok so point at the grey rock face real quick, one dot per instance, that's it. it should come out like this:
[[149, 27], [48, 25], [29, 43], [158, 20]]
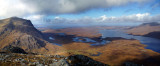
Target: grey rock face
[[14, 49], [47, 60], [61, 62], [81, 60]]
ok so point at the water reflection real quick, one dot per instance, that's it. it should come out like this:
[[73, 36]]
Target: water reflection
[[151, 43], [51, 38], [90, 40], [103, 42], [98, 54], [83, 39]]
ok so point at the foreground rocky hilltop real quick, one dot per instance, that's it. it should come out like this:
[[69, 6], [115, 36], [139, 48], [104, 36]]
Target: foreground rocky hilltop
[[10, 59]]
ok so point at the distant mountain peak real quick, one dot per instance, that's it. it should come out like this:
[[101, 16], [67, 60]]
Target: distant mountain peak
[[14, 17], [151, 24], [21, 21], [20, 25]]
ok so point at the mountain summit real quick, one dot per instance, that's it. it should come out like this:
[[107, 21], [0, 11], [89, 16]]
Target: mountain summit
[[151, 24], [21, 33], [19, 25]]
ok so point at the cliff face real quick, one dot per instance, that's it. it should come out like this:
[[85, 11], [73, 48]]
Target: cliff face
[[20, 33]]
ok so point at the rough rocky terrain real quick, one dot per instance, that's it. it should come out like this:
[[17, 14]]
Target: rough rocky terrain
[[14, 59]]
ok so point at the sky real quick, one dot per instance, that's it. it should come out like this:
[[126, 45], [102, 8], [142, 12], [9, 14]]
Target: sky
[[82, 12]]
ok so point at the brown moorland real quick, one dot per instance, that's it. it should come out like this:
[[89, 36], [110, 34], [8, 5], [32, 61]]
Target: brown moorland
[[115, 53]]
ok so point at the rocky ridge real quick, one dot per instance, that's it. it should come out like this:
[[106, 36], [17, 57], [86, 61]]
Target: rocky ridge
[[49, 60]]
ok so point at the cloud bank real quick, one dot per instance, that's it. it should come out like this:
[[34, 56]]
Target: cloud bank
[[75, 6], [144, 17], [37, 10], [130, 20], [24, 7], [9, 8]]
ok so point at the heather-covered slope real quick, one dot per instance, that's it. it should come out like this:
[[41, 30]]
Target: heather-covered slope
[[21, 33]]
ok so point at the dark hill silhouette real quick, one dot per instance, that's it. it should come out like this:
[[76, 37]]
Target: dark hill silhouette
[[151, 24], [155, 34]]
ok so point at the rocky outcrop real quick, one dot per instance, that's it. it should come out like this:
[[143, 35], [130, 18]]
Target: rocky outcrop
[[81, 60], [13, 49], [61, 62], [10, 59]]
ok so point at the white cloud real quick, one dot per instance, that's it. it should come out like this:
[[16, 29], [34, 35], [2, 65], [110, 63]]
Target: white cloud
[[75, 6], [144, 17], [129, 18], [20, 8], [34, 17], [9, 8], [36, 10], [103, 17], [57, 17]]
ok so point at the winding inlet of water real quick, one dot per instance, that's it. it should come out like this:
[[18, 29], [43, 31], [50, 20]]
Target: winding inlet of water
[[152, 43]]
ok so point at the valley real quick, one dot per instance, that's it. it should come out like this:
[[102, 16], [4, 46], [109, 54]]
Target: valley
[[108, 45], [79, 33], [114, 48]]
